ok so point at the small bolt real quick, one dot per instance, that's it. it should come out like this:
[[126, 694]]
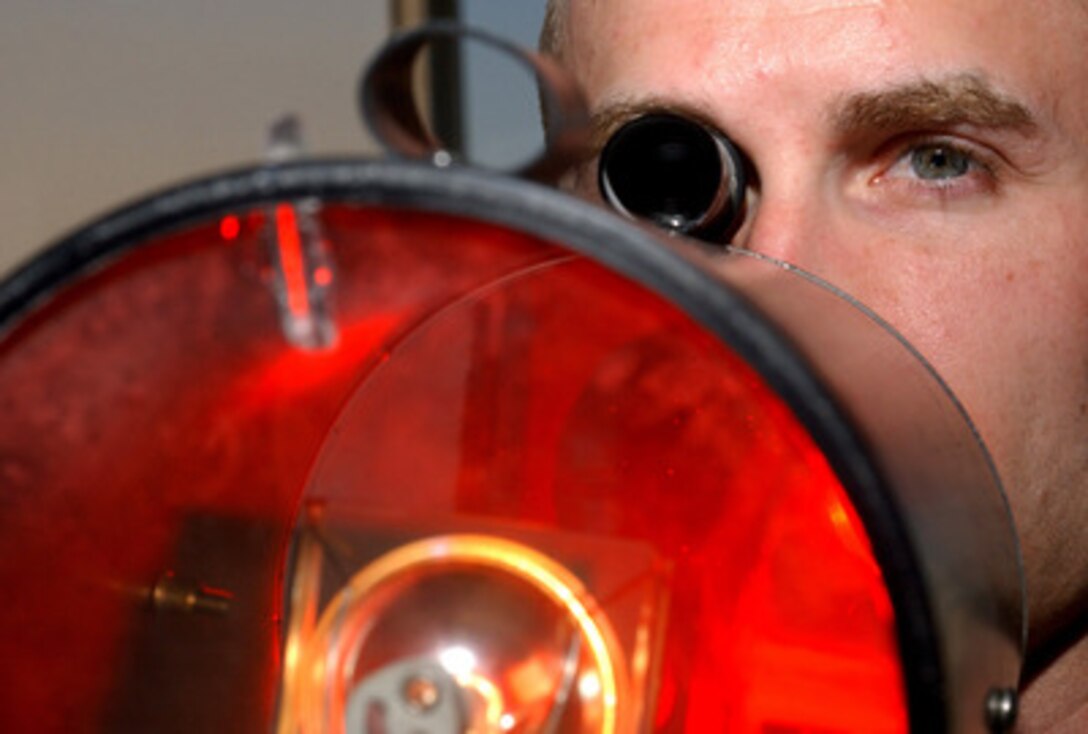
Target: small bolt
[[421, 693], [1001, 709], [173, 594], [442, 159]]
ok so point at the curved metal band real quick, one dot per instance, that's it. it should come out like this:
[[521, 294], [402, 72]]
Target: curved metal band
[[387, 104]]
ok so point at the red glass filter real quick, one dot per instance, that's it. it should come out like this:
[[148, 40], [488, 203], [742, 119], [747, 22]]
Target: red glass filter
[[366, 447]]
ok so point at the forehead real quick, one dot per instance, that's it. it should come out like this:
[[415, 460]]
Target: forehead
[[706, 48]]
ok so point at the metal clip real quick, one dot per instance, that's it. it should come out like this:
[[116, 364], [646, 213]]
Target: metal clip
[[302, 267]]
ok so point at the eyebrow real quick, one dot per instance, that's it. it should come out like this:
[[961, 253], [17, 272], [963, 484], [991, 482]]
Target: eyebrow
[[607, 119], [965, 99]]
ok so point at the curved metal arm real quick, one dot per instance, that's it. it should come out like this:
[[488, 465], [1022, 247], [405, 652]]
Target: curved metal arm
[[388, 109]]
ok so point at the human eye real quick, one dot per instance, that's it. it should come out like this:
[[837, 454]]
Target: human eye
[[941, 168]]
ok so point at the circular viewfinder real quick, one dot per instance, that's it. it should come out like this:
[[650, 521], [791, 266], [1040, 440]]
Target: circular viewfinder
[[675, 173]]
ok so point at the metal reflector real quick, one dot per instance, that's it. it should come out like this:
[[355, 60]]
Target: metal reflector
[[369, 447]]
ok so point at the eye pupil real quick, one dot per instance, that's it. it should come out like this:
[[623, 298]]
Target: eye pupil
[[937, 162], [673, 172]]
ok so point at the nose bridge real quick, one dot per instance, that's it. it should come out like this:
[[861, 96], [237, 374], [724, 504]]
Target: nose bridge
[[790, 216]]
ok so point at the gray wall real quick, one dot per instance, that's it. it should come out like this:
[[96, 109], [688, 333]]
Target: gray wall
[[501, 108], [104, 100]]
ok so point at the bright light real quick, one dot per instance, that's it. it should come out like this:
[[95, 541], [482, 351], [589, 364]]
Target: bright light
[[230, 227], [589, 685], [549, 577], [458, 661], [507, 721]]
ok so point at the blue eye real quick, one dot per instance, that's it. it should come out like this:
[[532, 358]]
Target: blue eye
[[940, 162], [920, 167]]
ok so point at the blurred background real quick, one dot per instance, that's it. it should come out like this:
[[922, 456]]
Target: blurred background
[[105, 101]]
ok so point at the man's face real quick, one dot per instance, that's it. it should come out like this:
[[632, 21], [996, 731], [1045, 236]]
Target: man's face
[[928, 157]]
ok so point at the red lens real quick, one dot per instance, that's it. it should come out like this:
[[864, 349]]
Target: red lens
[[568, 409], [643, 505]]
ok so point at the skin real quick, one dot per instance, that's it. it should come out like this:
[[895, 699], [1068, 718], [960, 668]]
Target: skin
[[981, 263]]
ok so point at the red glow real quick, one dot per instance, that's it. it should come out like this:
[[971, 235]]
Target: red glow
[[229, 228], [597, 414], [294, 373], [614, 417], [291, 260], [323, 276]]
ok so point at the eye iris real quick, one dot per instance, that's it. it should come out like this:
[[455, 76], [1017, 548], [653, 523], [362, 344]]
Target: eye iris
[[939, 162]]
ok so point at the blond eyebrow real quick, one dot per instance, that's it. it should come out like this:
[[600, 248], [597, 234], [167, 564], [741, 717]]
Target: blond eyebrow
[[607, 119], [965, 99]]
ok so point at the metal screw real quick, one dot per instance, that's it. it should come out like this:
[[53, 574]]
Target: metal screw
[[174, 594], [421, 693], [1001, 709]]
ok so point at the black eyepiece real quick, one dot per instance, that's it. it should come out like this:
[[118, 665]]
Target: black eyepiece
[[676, 173]]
